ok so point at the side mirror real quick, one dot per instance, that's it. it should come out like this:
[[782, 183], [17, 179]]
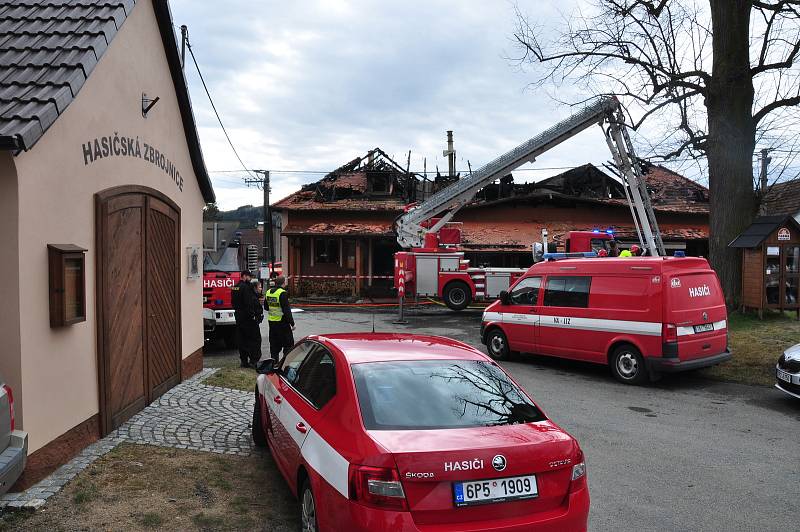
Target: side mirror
[[505, 297], [266, 366]]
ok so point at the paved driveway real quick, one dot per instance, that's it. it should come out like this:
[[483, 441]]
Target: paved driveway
[[686, 454]]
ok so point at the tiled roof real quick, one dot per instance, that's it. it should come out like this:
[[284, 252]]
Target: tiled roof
[[47, 51], [511, 236], [49, 48], [356, 228], [669, 191], [783, 198]]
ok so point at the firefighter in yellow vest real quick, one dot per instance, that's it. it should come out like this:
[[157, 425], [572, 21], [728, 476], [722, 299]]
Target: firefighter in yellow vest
[[279, 317]]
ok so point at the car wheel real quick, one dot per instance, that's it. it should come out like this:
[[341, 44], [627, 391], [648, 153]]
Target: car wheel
[[308, 509], [497, 345], [457, 295], [627, 365], [259, 436]]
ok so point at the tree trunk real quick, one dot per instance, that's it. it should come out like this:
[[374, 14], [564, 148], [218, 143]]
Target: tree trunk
[[731, 140]]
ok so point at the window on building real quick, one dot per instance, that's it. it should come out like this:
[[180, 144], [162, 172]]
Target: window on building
[[379, 183], [326, 250], [567, 292]]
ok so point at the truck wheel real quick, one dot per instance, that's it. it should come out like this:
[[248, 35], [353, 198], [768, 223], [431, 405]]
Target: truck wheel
[[627, 365], [497, 345], [457, 295], [259, 437]]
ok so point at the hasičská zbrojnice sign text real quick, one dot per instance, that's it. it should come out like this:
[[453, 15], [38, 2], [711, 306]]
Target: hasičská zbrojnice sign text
[[121, 146]]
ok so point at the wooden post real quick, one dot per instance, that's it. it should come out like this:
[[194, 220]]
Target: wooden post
[[359, 270], [369, 261]]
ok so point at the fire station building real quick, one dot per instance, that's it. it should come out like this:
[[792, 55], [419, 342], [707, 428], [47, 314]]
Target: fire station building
[[102, 186]]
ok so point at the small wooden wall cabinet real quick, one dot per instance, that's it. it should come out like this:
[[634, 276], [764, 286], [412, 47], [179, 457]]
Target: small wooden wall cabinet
[[770, 264], [67, 265]]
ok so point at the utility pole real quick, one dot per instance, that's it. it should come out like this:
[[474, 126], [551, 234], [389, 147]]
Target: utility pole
[[184, 38], [268, 247], [765, 160]]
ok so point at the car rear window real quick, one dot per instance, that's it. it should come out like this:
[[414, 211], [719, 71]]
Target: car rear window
[[437, 394]]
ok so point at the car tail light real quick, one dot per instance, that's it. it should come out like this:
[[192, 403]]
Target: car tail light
[[10, 404], [578, 480], [669, 332], [379, 487]]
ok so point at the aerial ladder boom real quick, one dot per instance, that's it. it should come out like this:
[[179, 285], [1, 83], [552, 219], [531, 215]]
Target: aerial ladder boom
[[409, 226]]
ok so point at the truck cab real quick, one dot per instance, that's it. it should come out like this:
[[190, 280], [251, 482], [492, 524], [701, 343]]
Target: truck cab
[[587, 241]]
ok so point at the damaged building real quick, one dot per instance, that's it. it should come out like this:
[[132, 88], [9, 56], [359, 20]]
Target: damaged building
[[338, 237]]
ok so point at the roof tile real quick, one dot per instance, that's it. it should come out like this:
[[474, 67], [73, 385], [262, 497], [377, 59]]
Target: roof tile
[[47, 51]]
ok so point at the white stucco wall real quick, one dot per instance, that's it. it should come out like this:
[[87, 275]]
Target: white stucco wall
[[56, 194]]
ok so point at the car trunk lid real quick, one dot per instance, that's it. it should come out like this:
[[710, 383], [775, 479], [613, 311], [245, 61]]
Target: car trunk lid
[[431, 461]]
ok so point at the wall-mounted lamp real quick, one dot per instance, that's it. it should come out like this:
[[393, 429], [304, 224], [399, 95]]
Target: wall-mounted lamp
[[148, 104]]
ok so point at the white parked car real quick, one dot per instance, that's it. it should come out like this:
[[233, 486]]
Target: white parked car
[[788, 371]]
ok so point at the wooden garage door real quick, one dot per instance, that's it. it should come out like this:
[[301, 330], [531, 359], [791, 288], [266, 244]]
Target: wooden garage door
[[138, 300]]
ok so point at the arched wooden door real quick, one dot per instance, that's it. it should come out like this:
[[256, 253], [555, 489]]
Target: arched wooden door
[[138, 300]]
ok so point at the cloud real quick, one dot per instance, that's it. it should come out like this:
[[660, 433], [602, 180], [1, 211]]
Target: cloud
[[311, 85]]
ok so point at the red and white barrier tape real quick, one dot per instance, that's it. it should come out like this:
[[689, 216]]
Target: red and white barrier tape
[[340, 277]]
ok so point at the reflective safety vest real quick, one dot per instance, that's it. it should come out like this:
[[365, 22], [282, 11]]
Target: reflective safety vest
[[274, 310]]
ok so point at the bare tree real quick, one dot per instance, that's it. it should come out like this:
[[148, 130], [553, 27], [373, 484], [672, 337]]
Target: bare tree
[[716, 73]]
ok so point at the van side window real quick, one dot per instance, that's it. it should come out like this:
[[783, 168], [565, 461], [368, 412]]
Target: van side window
[[526, 292], [567, 292]]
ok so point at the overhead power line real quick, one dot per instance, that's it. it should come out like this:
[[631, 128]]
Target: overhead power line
[[214, 107]]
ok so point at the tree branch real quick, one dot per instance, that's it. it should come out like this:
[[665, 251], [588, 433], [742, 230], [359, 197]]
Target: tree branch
[[777, 104]]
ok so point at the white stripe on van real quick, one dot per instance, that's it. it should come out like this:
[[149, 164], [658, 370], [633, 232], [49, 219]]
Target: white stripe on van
[[319, 454], [646, 328]]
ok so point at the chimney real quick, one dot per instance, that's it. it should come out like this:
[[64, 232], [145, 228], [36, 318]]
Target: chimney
[[370, 158], [450, 153]]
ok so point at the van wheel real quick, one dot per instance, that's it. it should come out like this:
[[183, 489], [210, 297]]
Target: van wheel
[[627, 365], [259, 437], [457, 295], [497, 345]]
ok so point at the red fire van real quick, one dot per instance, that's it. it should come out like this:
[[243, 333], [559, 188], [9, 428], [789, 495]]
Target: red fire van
[[642, 315]]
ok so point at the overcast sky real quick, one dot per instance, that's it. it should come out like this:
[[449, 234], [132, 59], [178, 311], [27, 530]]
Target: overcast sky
[[308, 86]]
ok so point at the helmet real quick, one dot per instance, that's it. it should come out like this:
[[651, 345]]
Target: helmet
[[602, 253], [635, 250]]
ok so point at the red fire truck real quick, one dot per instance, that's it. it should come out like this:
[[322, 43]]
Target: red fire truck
[[435, 265], [219, 276]]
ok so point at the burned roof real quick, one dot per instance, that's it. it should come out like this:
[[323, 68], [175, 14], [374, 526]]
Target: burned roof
[[374, 182], [669, 191], [783, 198], [48, 49]]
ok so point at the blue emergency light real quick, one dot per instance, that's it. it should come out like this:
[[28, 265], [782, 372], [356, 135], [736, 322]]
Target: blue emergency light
[[679, 253], [610, 231], [595, 230]]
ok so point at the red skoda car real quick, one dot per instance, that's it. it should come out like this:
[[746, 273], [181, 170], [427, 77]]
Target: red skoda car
[[401, 432]]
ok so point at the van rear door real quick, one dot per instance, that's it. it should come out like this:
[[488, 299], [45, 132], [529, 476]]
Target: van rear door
[[696, 307]]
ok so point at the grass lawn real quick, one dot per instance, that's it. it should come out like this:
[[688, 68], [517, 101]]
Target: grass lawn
[[756, 346], [141, 487], [230, 375]]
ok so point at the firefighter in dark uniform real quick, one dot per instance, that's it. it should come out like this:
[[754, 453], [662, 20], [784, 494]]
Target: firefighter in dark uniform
[[279, 317], [248, 314]]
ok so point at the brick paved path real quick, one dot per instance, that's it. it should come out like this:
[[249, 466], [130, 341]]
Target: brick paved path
[[191, 415]]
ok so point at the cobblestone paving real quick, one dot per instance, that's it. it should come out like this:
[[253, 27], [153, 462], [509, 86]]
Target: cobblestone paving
[[191, 415]]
